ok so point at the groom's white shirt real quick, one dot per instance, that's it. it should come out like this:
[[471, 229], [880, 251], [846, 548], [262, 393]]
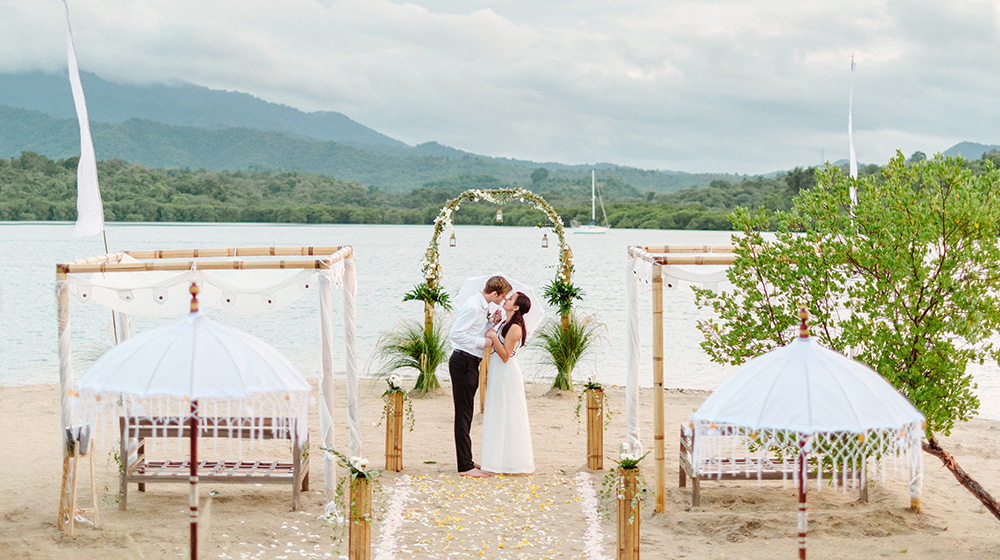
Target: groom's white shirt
[[468, 333]]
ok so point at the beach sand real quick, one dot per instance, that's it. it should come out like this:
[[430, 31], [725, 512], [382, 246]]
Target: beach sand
[[445, 516]]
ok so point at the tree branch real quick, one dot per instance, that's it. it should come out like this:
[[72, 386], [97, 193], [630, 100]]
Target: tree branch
[[931, 446]]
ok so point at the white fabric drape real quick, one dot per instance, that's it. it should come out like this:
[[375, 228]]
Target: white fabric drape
[[165, 294], [850, 137], [639, 269], [89, 208], [351, 361], [632, 365], [326, 391]]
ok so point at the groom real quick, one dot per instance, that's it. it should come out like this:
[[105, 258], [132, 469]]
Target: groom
[[468, 337]]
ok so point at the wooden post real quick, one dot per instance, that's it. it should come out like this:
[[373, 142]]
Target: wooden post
[[428, 317], [568, 274], [658, 435], [394, 432], [595, 428], [360, 531], [484, 367], [628, 515]]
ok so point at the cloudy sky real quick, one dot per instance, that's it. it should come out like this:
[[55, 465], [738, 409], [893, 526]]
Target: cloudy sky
[[747, 87]]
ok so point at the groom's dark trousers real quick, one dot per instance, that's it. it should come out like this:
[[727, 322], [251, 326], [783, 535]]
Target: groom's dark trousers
[[464, 370]]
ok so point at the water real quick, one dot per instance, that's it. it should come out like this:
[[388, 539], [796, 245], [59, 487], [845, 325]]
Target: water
[[388, 262]]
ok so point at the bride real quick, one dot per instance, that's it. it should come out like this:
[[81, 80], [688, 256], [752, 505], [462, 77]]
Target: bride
[[506, 446]]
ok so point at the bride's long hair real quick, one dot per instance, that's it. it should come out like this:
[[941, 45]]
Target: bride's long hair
[[523, 306]]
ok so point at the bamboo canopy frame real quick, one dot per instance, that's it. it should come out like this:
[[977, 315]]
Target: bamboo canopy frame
[[329, 261], [656, 258]]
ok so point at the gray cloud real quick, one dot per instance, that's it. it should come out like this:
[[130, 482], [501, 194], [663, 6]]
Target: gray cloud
[[693, 86]]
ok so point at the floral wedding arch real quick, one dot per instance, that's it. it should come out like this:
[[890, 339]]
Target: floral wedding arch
[[430, 291]]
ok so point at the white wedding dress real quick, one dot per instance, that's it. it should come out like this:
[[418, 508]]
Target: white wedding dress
[[506, 444]]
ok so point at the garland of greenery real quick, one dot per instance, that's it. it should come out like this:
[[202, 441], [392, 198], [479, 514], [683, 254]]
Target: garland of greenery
[[430, 289]]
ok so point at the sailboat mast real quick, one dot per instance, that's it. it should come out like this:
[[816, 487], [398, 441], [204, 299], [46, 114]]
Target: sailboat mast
[[593, 197]]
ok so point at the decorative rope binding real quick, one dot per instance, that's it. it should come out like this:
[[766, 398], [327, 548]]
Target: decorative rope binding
[[194, 297]]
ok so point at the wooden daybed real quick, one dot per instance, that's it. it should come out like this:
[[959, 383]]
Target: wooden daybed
[[771, 468], [135, 468]]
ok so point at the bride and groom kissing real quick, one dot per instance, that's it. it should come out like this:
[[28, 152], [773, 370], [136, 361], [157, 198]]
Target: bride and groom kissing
[[506, 441]]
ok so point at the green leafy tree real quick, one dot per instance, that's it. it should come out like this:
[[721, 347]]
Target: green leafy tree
[[907, 281], [539, 175]]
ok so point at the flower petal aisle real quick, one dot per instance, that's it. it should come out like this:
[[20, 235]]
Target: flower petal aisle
[[444, 516]]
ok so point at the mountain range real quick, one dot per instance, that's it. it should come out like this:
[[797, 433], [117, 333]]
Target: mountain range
[[187, 126]]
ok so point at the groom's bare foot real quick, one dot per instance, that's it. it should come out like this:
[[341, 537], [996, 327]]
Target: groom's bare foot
[[475, 473], [477, 466]]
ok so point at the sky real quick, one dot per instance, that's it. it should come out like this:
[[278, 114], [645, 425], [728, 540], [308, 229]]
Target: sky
[[697, 86]]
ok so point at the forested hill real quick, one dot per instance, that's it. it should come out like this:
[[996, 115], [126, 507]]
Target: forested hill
[[158, 145], [34, 187], [186, 126]]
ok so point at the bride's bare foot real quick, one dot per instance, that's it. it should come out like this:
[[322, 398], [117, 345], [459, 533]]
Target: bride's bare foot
[[475, 473]]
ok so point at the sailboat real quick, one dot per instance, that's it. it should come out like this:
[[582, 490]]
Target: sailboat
[[592, 227]]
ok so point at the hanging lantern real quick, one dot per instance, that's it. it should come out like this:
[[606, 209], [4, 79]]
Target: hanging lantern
[[545, 240], [499, 216], [451, 242]]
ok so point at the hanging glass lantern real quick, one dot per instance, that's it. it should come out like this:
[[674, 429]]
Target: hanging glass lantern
[[545, 240], [499, 216], [451, 242]]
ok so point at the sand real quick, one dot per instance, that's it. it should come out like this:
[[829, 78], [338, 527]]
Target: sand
[[426, 511]]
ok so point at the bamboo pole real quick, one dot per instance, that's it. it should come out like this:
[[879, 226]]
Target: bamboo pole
[[428, 318], [109, 263], [658, 431], [484, 368], [394, 432], [595, 428], [628, 515], [688, 249], [360, 531], [568, 275]]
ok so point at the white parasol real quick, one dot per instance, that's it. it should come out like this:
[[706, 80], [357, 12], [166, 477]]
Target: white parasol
[[532, 318], [199, 364], [806, 400]]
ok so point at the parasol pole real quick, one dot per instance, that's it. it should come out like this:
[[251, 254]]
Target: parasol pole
[[194, 479], [803, 520], [193, 421]]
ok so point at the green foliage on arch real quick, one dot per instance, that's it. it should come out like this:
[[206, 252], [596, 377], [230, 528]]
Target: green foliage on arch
[[430, 290]]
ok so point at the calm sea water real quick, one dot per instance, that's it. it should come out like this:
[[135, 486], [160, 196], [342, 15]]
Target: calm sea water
[[388, 264]]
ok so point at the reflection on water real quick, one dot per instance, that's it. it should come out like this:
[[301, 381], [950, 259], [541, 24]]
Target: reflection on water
[[388, 264]]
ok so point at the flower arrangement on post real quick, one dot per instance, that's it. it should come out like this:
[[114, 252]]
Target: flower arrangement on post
[[394, 397], [359, 509], [629, 489]]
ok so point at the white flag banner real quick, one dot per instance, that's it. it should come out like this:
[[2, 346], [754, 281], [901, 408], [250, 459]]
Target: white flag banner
[[850, 138], [89, 208]]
